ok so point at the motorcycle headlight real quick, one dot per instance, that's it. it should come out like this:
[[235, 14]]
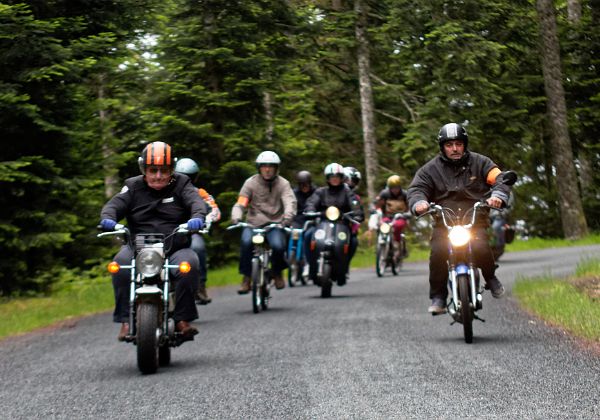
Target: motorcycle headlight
[[459, 236], [296, 234], [332, 213], [385, 228], [148, 262], [258, 239]]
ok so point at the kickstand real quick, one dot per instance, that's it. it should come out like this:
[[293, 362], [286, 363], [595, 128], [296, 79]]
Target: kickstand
[[476, 317]]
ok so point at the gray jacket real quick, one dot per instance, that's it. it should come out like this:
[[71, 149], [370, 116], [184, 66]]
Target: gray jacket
[[267, 201]]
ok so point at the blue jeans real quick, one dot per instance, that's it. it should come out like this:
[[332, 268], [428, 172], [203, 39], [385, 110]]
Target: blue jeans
[[277, 241]]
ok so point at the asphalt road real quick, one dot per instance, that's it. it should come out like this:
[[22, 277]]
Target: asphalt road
[[371, 351]]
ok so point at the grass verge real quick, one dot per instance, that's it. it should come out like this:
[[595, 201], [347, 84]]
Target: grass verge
[[571, 303], [82, 294]]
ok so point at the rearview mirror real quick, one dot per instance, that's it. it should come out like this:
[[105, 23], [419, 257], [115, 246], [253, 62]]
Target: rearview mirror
[[508, 177]]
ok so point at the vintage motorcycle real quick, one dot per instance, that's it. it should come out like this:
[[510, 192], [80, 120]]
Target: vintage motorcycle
[[261, 265], [331, 242], [466, 291], [501, 233], [295, 257], [389, 253], [152, 297]]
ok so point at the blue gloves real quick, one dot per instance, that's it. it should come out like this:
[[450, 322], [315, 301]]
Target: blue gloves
[[108, 225], [195, 224]]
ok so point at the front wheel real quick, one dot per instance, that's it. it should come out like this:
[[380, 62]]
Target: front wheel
[[381, 259], [466, 310], [326, 281], [147, 337], [256, 293], [293, 273]]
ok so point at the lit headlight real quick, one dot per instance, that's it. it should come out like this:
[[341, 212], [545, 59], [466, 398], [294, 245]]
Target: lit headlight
[[332, 213], [148, 262], [296, 234], [258, 239], [459, 236], [385, 228]]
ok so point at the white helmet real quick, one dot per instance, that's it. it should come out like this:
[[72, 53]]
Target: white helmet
[[268, 158], [187, 166], [334, 169]]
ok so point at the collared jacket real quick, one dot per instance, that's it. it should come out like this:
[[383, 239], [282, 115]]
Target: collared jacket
[[156, 211], [340, 196], [267, 201], [301, 199], [457, 184]]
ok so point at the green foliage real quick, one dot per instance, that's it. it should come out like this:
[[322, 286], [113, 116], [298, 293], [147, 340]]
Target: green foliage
[[84, 84]]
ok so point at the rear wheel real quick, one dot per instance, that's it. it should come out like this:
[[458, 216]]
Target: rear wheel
[[326, 281], [147, 337], [256, 294], [465, 308]]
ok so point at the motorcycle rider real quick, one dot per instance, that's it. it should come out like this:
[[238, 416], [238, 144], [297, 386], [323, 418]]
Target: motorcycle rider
[[190, 168], [352, 178], [392, 200], [302, 192], [338, 194], [157, 201], [457, 178], [269, 198]]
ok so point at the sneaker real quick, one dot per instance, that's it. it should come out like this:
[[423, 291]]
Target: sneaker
[[202, 297], [438, 306], [494, 286], [245, 287], [305, 271], [279, 283]]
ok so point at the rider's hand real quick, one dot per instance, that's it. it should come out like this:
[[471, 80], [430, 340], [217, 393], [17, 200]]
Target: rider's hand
[[421, 207], [494, 202], [286, 223], [108, 225], [195, 224]]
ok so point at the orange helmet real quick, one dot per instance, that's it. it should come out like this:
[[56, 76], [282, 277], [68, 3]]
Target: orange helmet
[[156, 153]]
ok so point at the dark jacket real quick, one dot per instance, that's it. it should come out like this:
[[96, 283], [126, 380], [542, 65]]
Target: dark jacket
[[150, 211], [301, 199], [456, 185], [341, 197]]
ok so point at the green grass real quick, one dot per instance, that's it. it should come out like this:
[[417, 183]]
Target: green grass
[[559, 302], [89, 293], [541, 243]]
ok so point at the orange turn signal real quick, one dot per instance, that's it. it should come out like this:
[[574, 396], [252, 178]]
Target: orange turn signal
[[185, 267], [113, 268]]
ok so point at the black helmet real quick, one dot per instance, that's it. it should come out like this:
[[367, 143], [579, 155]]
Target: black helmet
[[452, 131], [304, 177]]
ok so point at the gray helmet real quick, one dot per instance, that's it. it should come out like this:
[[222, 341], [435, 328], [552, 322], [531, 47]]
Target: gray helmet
[[304, 177], [187, 166], [452, 131]]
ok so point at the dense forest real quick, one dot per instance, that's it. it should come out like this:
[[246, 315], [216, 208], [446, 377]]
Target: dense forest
[[84, 84]]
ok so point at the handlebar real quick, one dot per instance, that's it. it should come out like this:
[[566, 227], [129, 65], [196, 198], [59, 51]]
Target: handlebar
[[258, 229], [446, 212]]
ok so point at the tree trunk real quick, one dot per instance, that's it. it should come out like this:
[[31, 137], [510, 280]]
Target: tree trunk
[[366, 99], [270, 122], [571, 209], [111, 174], [574, 11]]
